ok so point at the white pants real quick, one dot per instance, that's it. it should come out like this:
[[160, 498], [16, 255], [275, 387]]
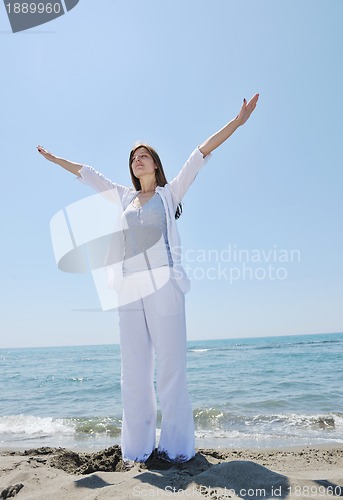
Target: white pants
[[154, 324]]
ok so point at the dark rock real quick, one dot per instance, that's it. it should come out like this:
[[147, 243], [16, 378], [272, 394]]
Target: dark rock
[[11, 491]]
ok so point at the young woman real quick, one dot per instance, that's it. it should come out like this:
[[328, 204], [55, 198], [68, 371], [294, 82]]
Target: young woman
[[151, 296]]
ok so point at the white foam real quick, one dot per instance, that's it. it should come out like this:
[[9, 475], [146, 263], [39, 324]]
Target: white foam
[[31, 425], [339, 421]]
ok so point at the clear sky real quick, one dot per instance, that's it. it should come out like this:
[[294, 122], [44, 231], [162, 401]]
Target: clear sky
[[262, 224]]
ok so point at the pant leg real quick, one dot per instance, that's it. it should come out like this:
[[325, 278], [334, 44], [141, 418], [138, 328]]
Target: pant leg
[[165, 315], [137, 383]]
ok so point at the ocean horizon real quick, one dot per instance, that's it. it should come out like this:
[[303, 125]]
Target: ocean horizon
[[259, 392]]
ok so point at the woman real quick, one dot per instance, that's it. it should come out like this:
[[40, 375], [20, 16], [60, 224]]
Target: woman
[[151, 296]]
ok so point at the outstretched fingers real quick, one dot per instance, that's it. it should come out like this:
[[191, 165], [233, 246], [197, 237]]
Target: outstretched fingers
[[247, 108], [253, 101], [46, 154]]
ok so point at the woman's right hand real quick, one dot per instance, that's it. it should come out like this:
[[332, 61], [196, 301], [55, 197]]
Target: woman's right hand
[[47, 155], [71, 166]]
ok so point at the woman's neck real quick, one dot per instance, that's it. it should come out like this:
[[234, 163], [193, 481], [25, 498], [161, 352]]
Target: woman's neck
[[148, 186]]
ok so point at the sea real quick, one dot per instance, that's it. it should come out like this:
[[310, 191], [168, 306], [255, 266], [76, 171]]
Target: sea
[[246, 393]]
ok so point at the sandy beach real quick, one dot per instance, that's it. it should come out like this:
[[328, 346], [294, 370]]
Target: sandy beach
[[58, 473]]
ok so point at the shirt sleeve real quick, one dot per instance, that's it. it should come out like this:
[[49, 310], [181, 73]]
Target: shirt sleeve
[[187, 174], [97, 181]]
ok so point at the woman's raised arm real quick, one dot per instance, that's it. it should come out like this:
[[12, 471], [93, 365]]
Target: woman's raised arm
[[72, 167], [219, 137]]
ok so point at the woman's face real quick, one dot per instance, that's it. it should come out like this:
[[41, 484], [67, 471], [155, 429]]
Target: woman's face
[[143, 163]]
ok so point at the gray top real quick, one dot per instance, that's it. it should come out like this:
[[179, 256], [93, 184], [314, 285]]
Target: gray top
[[146, 242]]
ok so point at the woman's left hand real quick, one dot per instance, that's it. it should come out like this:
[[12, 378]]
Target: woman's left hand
[[247, 109]]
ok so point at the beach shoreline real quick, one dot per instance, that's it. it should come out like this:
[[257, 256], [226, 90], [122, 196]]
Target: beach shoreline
[[310, 472]]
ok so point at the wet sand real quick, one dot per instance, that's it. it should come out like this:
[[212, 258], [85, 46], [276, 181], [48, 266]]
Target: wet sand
[[57, 473]]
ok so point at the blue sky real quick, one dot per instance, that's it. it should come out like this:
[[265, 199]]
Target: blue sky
[[89, 84]]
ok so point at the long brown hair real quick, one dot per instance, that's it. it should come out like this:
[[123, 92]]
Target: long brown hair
[[161, 179]]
